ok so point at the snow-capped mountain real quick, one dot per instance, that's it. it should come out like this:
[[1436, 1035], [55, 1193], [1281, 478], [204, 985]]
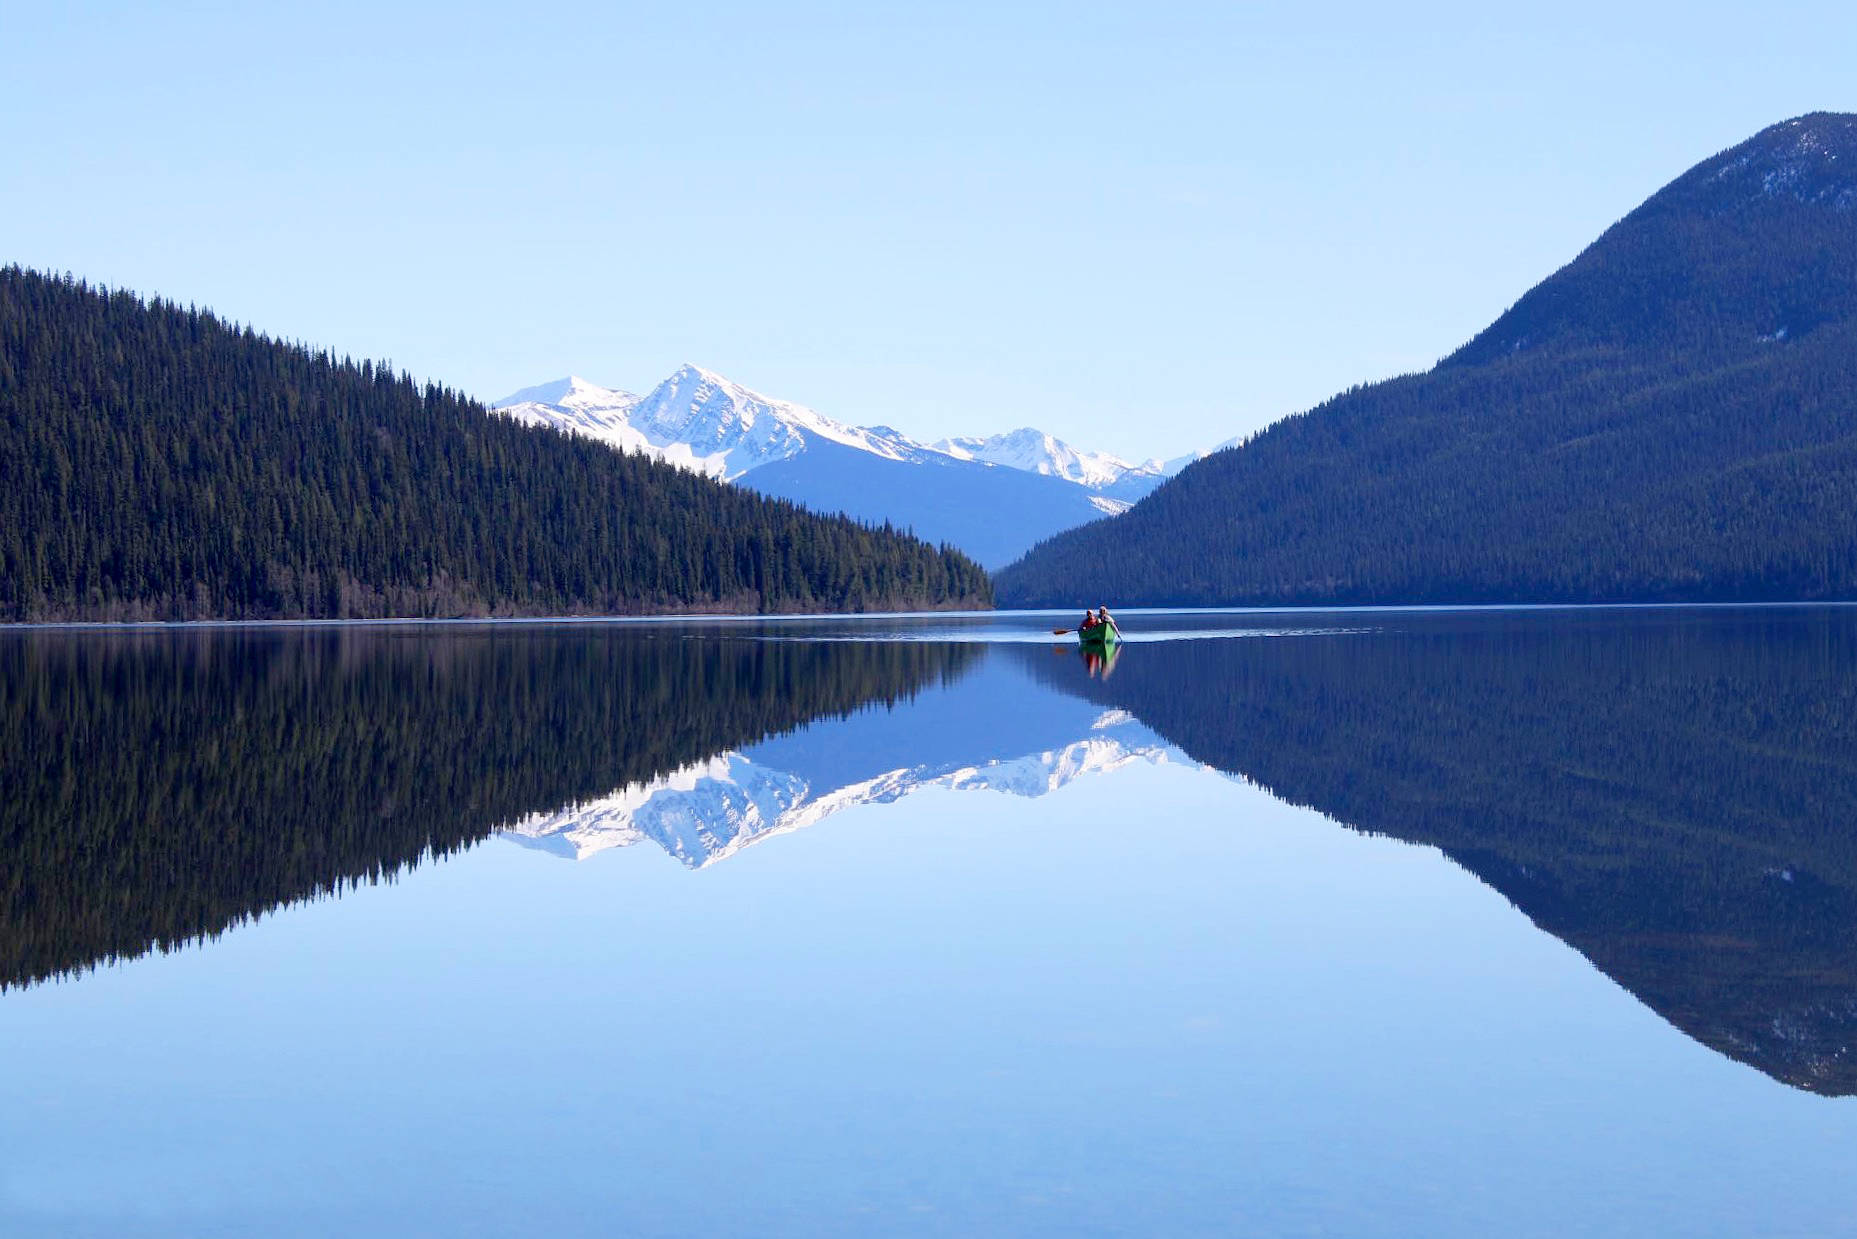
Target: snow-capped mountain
[[1034, 451], [572, 403], [699, 420], [713, 809], [721, 421]]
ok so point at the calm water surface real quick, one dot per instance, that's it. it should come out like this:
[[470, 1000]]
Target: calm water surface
[[1351, 923]]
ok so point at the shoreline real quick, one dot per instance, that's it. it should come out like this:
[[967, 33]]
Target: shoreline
[[737, 618]]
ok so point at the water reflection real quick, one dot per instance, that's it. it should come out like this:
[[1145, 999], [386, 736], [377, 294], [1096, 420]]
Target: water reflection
[[163, 786], [1670, 793], [996, 729]]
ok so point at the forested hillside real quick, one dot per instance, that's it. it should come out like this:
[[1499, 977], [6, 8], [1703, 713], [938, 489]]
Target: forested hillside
[[1672, 416], [159, 463]]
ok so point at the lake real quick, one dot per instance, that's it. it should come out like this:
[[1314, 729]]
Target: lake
[[1355, 923]]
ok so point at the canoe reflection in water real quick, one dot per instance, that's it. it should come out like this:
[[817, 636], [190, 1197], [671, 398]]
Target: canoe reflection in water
[[1100, 659]]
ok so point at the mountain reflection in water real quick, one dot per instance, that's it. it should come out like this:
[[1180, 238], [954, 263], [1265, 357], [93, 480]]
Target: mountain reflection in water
[[996, 729], [1671, 793]]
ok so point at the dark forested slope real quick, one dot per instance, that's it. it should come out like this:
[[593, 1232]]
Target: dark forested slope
[[156, 462], [1672, 416]]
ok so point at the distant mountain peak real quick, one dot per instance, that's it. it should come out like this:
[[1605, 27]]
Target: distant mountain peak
[[1035, 451], [690, 370], [719, 419], [572, 391]]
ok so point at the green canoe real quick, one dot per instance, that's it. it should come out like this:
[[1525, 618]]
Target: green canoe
[[1104, 635]]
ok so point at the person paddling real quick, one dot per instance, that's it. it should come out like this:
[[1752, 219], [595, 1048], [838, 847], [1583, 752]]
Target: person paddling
[[1089, 621]]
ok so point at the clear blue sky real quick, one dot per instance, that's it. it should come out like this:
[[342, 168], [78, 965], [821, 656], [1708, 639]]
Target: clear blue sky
[[1143, 227]]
